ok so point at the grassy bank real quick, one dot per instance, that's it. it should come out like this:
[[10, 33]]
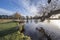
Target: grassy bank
[[7, 25], [10, 31], [5, 20], [15, 36]]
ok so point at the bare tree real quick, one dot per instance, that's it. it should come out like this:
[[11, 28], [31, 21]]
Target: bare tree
[[49, 1], [50, 9], [17, 16]]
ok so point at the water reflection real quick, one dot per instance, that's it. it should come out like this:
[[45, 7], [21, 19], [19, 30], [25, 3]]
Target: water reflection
[[50, 26], [32, 21]]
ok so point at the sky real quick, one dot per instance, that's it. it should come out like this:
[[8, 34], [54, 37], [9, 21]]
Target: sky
[[24, 7], [27, 7]]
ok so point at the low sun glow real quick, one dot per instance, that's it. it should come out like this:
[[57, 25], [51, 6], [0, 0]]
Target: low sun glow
[[56, 22]]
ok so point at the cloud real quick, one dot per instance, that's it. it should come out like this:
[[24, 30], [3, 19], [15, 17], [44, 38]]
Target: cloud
[[5, 12], [29, 7], [34, 6]]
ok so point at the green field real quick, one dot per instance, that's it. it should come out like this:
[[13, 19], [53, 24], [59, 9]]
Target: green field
[[7, 25], [8, 31]]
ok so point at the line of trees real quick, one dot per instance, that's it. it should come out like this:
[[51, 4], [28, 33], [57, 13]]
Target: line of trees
[[5, 17], [14, 16]]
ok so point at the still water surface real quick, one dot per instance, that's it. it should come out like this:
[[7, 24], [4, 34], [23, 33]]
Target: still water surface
[[51, 27]]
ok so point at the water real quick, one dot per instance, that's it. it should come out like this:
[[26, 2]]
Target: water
[[51, 27]]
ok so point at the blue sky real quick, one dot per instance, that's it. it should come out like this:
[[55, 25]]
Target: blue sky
[[24, 7]]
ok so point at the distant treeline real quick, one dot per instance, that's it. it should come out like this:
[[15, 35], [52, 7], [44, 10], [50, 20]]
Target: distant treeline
[[5, 17], [9, 17]]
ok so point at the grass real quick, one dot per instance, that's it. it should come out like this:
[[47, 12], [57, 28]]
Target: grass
[[8, 32], [11, 31], [5, 20], [8, 28], [7, 25], [15, 36]]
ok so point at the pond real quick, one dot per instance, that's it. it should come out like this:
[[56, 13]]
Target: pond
[[51, 27]]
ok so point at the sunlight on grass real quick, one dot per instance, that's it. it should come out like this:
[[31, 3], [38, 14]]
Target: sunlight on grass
[[7, 33], [15, 36], [7, 25]]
